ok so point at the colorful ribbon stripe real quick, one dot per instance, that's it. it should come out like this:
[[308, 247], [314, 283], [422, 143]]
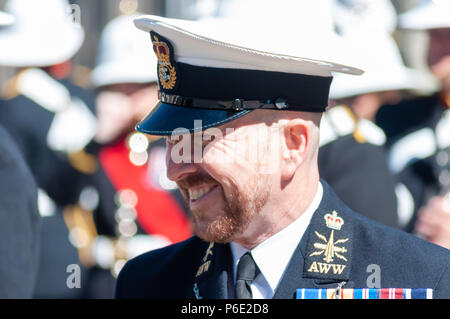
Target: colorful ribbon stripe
[[366, 293]]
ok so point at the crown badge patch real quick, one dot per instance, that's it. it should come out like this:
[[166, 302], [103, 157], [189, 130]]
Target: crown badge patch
[[333, 221], [328, 254], [167, 72], [329, 247]]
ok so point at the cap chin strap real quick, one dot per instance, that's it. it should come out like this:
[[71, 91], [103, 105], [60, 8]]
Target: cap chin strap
[[235, 105]]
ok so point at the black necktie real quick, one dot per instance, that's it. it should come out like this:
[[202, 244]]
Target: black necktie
[[246, 273]]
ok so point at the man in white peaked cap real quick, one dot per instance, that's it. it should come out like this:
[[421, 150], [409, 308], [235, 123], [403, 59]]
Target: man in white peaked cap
[[353, 183], [242, 129]]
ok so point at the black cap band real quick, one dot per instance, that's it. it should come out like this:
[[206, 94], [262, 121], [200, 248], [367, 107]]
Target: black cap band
[[237, 89], [235, 105], [240, 89]]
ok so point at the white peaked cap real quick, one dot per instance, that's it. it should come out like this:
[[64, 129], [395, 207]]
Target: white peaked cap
[[350, 15], [219, 43], [383, 66], [317, 14], [125, 55], [294, 20], [220, 70], [431, 15], [6, 19], [43, 34]]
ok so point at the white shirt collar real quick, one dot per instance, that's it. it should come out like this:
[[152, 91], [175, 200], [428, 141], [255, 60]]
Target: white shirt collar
[[272, 255]]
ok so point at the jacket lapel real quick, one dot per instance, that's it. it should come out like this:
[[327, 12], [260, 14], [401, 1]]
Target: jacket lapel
[[323, 257]]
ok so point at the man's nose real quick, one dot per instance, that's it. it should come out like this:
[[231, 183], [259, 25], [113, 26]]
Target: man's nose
[[177, 168], [178, 171]]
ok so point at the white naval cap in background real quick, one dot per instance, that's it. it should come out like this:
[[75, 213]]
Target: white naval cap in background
[[44, 33], [383, 65], [125, 54]]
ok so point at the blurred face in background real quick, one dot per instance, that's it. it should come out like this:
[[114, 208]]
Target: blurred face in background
[[121, 106], [439, 56], [365, 106]]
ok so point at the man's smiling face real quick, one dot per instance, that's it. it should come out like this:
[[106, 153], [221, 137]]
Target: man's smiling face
[[232, 182]]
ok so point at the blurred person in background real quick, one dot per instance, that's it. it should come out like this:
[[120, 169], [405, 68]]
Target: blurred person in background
[[135, 205], [19, 217], [51, 120], [418, 129], [348, 130]]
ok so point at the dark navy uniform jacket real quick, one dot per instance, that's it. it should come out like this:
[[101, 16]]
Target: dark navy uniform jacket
[[404, 261], [19, 223], [28, 123]]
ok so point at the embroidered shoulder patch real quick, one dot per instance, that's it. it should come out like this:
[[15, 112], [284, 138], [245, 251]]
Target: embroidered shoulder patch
[[328, 251]]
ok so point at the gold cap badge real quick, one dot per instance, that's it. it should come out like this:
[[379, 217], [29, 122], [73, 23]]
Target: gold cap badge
[[167, 73]]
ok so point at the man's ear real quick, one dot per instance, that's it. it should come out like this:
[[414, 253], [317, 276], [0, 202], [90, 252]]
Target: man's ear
[[295, 144]]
